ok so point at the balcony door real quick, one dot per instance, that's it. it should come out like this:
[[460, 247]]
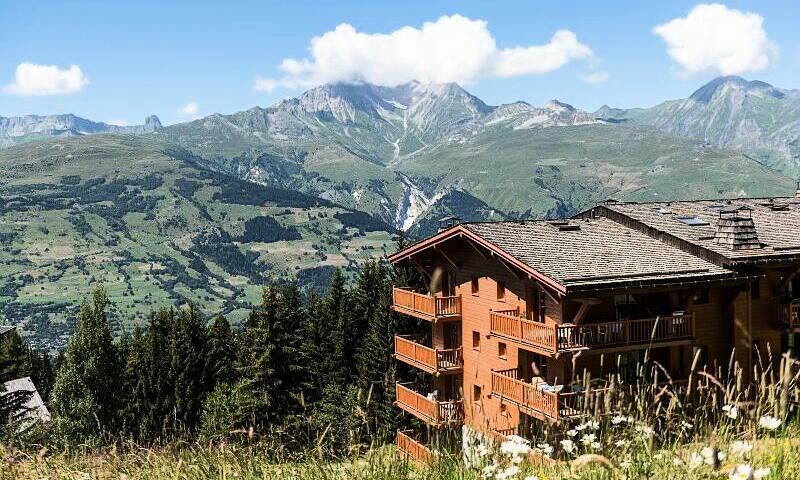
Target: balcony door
[[448, 284], [533, 304], [452, 335]]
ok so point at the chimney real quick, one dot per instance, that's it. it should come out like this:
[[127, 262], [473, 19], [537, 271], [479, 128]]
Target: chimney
[[447, 222], [736, 229]]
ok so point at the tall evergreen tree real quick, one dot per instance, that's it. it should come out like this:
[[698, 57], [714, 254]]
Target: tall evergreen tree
[[272, 366], [221, 356], [187, 365], [86, 390], [12, 366]]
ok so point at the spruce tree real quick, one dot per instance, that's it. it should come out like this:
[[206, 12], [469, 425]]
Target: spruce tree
[[187, 365], [84, 396], [221, 356]]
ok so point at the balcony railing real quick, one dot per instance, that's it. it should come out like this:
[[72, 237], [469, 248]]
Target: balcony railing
[[409, 349], [790, 315], [412, 449], [433, 412], [426, 307], [541, 404], [550, 339]]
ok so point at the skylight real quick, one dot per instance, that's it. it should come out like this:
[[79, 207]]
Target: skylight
[[693, 221]]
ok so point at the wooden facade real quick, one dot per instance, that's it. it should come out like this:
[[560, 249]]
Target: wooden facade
[[510, 335]]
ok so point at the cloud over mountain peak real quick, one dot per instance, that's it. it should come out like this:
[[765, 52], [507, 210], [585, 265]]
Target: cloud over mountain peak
[[451, 49]]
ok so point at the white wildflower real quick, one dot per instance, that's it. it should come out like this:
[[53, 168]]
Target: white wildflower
[[568, 445], [731, 411], [620, 443], [625, 464], [507, 473], [588, 438], [740, 448], [595, 445], [760, 473], [531, 477], [592, 425], [488, 470], [658, 456], [687, 425], [572, 433], [708, 455], [677, 461], [546, 448], [695, 460], [617, 419], [769, 423], [742, 472]]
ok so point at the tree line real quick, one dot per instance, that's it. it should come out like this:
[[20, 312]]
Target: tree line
[[300, 370]]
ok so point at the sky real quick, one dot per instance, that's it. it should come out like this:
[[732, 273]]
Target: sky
[[121, 61]]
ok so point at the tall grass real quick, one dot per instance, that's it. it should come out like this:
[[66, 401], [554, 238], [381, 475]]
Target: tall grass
[[715, 425]]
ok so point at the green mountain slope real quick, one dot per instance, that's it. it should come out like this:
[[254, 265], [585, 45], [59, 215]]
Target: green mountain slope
[[752, 117], [158, 230]]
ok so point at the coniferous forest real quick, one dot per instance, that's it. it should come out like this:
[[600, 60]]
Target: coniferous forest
[[303, 371]]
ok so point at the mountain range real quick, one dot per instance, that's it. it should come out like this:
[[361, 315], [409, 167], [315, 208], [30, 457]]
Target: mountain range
[[208, 210]]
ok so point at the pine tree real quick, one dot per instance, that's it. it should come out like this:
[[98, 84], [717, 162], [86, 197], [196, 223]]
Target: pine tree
[[12, 366], [86, 389], [272, 365], [41, 372], [15, 355], [221, 355], [187, 365], [375, 359]]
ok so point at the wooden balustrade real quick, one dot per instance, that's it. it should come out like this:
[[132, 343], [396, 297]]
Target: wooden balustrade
[[413, 449], [428, 359], [507, 385], [433, 412], [527, 331], [549, 339], [426, 307]]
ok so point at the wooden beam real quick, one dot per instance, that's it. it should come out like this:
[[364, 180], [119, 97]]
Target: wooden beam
[[475, 247], [586, 304], [446, 257], [508, 267]]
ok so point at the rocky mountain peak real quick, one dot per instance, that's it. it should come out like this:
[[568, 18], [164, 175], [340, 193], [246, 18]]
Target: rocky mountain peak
[[152, 122], [732, 83], [559, 107]]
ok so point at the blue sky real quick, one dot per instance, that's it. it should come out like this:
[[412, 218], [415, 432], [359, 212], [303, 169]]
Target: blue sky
[[144, 58]]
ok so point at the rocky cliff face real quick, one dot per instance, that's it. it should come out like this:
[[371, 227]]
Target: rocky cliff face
[[30, 127]]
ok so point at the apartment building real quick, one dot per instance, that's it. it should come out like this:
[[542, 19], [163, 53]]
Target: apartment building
[[520, 310]]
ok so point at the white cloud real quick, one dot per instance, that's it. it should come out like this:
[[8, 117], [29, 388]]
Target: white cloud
[[190, 110], [31, 79], [119, 123], [451, 49], [713, 37], [596, 77]]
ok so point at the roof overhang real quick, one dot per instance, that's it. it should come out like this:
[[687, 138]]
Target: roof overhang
[[461, 232]]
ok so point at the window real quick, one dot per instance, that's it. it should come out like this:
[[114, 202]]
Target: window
[[477, 393], [693, 221], [755, 289], [501, 291], [474, 285], [501, 350], [476, 340]]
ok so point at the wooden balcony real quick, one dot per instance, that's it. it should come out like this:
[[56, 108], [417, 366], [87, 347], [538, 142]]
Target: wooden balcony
[[789, 316], [533, 399], [409, 349], [412, 449], [550, 339], [426, 307], [433, 412]]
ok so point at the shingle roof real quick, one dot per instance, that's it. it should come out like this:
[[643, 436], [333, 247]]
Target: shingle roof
[[5, 329], [36, 409], [778, 229], [594, 251]]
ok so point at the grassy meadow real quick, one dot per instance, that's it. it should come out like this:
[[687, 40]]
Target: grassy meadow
[[714, 426]]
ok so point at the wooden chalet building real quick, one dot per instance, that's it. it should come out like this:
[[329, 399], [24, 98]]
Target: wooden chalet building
[[511, 303]]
